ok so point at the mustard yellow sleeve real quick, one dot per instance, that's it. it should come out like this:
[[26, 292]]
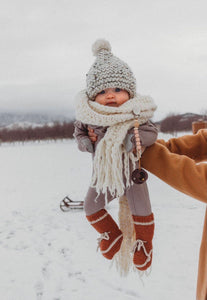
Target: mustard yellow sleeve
[[202, 267], [179, 171], [194, 146]]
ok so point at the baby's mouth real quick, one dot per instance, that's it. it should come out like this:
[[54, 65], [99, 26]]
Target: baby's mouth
[[114, 104]]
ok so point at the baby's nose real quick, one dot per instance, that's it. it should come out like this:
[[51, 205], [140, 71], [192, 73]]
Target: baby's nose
[[110, 95]]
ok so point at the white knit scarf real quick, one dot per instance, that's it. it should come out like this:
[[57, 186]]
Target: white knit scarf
[[111, 167]]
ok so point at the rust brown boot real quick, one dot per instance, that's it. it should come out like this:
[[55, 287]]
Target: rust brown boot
[[144, 229], [111, 236]]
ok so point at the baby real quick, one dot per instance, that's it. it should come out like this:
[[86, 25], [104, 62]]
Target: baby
[[105, 115]]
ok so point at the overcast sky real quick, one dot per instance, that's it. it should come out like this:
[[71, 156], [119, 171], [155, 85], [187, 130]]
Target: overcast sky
[[45, 50]]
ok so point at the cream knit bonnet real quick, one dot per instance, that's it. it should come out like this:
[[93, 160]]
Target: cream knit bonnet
[[108, 71]]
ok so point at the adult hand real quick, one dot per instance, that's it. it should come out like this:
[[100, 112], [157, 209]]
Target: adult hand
[[92, 135]]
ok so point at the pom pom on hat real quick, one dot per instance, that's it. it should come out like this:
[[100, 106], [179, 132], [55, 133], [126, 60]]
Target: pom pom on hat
[[99, 45]]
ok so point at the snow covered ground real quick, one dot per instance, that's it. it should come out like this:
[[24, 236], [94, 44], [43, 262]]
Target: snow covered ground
[[46, 254]]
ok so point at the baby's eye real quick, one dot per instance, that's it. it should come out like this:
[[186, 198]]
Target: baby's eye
[[117, 90], [102, 92]]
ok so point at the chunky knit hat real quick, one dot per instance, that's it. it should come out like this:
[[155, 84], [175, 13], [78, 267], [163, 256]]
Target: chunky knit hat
[[108, 71]]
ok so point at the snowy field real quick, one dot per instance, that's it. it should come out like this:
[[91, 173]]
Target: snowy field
[[50, 255]]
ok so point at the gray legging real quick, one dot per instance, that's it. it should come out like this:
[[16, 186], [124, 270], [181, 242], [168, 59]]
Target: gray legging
[[137, 195]]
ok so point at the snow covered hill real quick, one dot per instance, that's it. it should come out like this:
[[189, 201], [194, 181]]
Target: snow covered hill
[[50, 255], [11, 120]]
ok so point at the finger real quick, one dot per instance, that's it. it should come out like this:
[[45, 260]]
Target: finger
[[90, 129], [91, 134], [94, 136], [93, 139]]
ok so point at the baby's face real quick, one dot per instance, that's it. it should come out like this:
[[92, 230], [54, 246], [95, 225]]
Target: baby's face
[[112, 97]]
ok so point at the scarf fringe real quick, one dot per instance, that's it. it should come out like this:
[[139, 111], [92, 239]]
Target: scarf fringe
[[124, 258], [111, 165]]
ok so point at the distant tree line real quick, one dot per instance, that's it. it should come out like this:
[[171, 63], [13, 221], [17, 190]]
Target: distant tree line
[[182, 122], [171, 124], [46, 132]]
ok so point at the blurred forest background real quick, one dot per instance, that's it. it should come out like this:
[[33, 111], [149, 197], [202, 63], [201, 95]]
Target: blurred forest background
[[37, 127]]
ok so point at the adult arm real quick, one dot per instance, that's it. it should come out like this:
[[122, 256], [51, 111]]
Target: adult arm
[[194, 146], [202, 267], [179, 171], [182, 173]]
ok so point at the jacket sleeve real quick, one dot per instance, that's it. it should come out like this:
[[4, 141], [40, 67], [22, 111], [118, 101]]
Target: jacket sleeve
[[81, 136], [202, 266], [194, 146], [179, 171], [147, 133]]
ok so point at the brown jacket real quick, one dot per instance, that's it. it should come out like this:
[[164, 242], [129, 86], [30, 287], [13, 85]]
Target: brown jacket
[[175, 162], [147, 132]]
